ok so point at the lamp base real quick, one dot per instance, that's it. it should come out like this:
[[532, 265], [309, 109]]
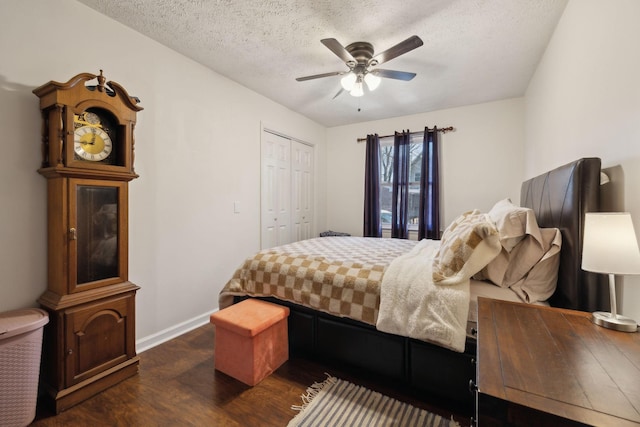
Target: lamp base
[[618, 323]]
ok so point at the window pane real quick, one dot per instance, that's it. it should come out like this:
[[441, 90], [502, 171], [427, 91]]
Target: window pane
[[414, 183], [386, 180]]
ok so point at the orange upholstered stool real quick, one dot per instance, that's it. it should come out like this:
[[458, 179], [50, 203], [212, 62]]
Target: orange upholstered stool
[[251, 339]]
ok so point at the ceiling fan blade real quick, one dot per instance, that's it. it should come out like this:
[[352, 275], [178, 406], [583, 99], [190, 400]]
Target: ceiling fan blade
[[334, 46], [397, 50], [318, 76], [338, 94], [393, 74]]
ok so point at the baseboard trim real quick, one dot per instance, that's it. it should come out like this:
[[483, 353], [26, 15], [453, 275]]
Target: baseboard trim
[[170, 333]]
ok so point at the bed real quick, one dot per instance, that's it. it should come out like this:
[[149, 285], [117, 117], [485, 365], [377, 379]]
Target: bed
[[347, 333]]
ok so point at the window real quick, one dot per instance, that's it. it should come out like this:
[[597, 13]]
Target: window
[[386, 180], [418, 194]]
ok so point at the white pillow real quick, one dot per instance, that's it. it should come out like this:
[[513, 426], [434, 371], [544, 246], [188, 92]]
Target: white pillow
[[513, 223]]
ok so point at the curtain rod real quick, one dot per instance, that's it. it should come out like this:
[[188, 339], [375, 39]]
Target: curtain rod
[[443, 130]]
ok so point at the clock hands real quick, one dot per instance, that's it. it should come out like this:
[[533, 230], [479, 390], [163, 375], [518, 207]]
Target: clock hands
[[92, 143], [93, 138]]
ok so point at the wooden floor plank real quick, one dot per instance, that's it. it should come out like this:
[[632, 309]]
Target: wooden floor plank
[[178, 385]]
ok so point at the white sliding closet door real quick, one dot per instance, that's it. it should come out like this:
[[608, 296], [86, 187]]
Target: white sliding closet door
[[275, 193], [286, 190]]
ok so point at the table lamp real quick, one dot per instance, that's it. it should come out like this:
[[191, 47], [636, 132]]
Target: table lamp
[[610, 247]]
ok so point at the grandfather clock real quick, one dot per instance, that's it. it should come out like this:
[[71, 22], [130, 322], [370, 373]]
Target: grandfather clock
[[87, 159]]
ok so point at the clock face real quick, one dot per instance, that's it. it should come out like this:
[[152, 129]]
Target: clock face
[[95, 136], [92, 143]]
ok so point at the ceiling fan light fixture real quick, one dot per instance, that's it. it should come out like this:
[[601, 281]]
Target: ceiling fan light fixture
[[357, 89], [358, 57], [372, 81], [348, 81]]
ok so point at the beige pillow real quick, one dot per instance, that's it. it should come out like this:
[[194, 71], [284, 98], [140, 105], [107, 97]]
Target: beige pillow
[[495, 270], [513, 223], [468, 244], [530, 269], [539, 282], [529, 252]]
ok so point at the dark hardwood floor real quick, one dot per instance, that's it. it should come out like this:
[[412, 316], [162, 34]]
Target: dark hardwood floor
[[178, 386]]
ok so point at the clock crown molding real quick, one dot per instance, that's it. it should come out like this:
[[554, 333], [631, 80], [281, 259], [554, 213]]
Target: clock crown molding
[[61, 93]]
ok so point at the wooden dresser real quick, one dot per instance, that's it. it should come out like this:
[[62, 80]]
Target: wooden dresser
[[547, 366]]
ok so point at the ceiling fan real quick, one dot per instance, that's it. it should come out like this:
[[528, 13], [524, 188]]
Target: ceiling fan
[[359, 58]]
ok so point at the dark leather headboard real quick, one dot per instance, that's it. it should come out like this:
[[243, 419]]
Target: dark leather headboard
[[560, 199]]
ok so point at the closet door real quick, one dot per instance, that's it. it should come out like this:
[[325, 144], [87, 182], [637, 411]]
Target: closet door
[[275, 191], [302, 190]]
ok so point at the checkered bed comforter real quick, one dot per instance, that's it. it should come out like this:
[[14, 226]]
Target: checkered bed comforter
[[337, 275]]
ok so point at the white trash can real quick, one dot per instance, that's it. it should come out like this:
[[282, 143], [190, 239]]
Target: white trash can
[[20, 352]]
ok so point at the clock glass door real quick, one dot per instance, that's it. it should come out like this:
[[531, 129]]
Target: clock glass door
[[97, 233], [97, 228]]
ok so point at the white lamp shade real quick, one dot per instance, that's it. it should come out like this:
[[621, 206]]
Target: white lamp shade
[[610, 244], [348, 81], [372, 81], [357, 89]]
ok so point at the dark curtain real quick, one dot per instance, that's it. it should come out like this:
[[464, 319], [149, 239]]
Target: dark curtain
[[400, 191], [372, 226], [429, 215]]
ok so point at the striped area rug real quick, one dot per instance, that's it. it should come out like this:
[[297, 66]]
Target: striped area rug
[[335, 402]]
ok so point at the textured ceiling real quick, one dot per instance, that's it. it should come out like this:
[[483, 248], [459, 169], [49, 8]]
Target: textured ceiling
[[474, 50]]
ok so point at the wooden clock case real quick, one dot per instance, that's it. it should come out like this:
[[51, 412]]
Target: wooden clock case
[[89, 344]]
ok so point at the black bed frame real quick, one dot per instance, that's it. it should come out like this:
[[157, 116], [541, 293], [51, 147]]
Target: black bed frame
[[560, 198]]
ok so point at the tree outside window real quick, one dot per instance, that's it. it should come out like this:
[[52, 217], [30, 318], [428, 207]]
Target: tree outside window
[[386, 180]]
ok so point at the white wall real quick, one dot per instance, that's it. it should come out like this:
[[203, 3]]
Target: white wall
[[481, 162], [197, 151], [584, 100], [198, 139]]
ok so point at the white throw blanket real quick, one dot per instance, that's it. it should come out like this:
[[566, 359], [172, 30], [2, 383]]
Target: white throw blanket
[[412, 305]]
